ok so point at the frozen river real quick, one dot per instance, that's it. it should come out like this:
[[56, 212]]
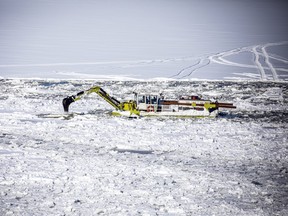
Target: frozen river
[[91, 163]]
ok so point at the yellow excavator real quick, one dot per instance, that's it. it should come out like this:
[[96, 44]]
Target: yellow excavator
[[154, 105]]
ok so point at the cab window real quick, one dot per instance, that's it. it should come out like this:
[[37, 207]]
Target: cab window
[[147, 99], [141, 99], [153, 99]]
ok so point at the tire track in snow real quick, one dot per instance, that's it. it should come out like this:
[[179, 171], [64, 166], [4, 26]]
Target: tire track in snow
[[184, 69], [67, 64], [267, 61], [140, 62], [267, 58], [219, 58], [278, 58], [258, 64], [201, 66]]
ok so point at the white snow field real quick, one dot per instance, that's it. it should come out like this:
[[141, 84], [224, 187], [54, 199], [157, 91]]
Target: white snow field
[[134, 39], [90, 163]]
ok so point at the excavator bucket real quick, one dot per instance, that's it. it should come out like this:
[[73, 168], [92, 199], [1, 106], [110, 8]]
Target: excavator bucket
[[66, 102]]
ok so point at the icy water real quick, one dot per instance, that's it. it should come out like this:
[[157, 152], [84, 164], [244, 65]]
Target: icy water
[[89, 163]]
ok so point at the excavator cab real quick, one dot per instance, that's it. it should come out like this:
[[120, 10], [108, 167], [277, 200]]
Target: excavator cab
[[147, 102]]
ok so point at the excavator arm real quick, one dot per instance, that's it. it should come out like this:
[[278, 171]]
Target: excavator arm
[[124, 106]]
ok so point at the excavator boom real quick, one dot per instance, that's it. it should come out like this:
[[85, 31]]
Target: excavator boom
[[124, 106], [96, 89]]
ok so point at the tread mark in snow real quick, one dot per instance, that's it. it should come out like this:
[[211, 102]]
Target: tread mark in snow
[[259, 65]]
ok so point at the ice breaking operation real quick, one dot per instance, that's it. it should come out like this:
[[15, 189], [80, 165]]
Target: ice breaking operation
[[143, 108]]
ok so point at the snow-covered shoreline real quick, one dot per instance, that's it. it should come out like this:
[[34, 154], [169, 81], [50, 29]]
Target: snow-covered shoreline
[[94, 163]]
